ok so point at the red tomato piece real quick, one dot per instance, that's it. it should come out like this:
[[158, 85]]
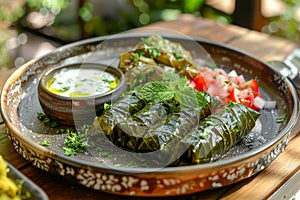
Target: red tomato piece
[[234, 95], [252, 84], [200, 83]]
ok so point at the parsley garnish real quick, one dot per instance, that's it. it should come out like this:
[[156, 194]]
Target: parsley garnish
[[204, 134], [281, 118], [107, 106], [74, 144], [146, 41], [47, 121], [139, 54], [154, 51], [45, 142]]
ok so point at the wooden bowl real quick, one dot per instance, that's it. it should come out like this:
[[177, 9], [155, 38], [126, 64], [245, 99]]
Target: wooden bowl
[[69, 108]]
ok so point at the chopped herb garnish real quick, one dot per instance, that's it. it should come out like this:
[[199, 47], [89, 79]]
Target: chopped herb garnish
[[203, 134], [45, 142], [179, 57], [105, 155], [139, 54], [47, 121], [154, 51], [85, 129], [281, 118], [74, 144], [130, 163], [107, 106], [146, 41], [211, 123]]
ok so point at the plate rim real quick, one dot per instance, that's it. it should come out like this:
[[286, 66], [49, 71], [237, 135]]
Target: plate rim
[[133, 170], [19, 72]]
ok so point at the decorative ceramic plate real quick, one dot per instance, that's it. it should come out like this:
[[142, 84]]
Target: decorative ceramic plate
[[118, 174], [36, 193]]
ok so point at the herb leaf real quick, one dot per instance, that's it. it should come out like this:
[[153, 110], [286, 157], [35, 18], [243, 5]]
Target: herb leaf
[[158, 91], [172, 87], [170, 77], [187, 96]]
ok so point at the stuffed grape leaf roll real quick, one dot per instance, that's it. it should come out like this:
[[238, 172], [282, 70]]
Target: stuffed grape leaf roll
[[120, 111], [132, 130], [218, 133], [174, 127], [156, 50], [170, 109], [131, 60], [140, 69], [169, 53]]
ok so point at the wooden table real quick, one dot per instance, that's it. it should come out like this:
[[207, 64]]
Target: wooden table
[[260, 186]]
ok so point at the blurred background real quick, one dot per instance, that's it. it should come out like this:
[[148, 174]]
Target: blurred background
[[31, 28]]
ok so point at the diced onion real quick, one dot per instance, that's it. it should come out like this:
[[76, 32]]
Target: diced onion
[[259, 102], [270, 105], [232, 73]]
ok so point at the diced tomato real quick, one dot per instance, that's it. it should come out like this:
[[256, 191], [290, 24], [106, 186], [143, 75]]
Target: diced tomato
[[247, 102], [252, 84], [228, 87], [199, 83], [238, 80], [245, 96], [234, 95]]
